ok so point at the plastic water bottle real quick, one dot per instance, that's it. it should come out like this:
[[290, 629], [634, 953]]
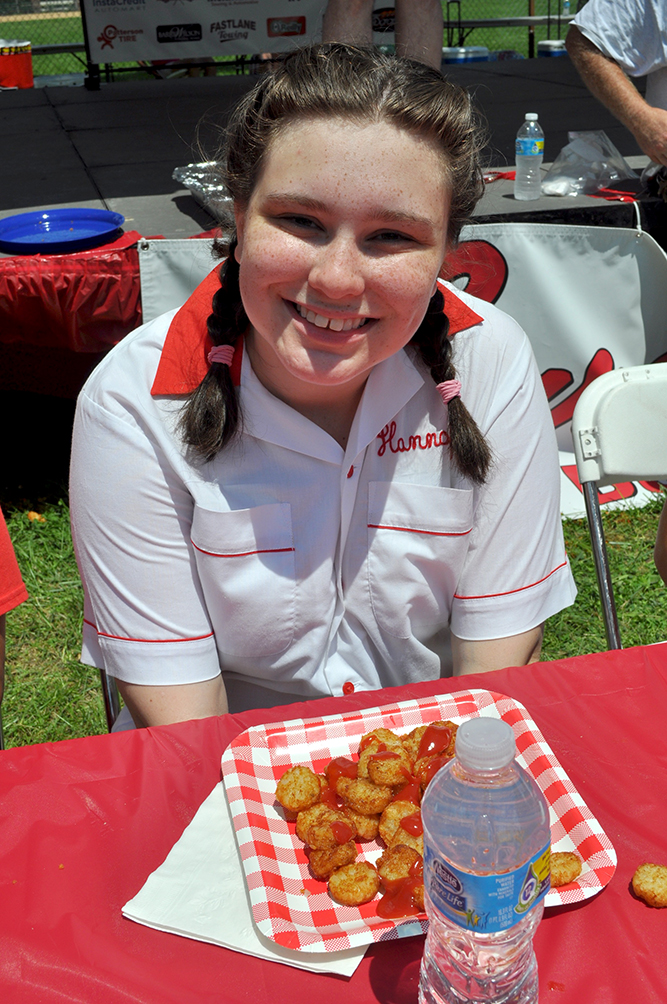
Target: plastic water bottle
[[566, 8], [529, 151], [487, 849]]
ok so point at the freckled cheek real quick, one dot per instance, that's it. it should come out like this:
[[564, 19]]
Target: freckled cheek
[[276, 260]]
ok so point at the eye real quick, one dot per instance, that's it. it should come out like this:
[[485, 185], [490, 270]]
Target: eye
[[303, 223], [392, 237]]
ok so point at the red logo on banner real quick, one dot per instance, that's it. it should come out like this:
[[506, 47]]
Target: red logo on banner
[[482, 265], [279, 27], [108, 35], [624, 490], [555, 381]]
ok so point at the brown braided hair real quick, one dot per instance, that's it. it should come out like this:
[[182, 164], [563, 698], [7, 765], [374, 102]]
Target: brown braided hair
[[363, 85]]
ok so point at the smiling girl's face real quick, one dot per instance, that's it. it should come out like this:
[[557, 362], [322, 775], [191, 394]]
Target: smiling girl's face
[[339, 249]]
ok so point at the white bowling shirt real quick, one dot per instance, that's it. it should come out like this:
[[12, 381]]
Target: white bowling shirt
[[294, 565]]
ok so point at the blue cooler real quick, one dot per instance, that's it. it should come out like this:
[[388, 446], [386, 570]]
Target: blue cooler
[[551, 47], [465, 54]]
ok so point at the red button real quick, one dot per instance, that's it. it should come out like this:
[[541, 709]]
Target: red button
[[351, 471], [348, 688]]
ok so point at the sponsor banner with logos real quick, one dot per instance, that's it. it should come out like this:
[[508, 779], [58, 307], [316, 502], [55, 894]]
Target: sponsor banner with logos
[[591, 299], [127, 30]]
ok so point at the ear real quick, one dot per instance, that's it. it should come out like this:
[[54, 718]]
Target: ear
[[239, 217]]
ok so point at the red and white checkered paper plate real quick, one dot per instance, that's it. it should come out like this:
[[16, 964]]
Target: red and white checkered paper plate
[[294, 909]]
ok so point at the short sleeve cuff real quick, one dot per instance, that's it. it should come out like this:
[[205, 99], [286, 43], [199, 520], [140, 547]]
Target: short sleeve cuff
[[502, 615], [154, 664]]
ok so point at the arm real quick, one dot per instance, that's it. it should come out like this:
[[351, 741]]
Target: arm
[[180, 703], [497, 653], [660, 551], [419, 29], [145, 619], [609, 84], [348, 21]]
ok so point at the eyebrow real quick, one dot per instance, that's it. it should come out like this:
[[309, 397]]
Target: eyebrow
[[384, 214]]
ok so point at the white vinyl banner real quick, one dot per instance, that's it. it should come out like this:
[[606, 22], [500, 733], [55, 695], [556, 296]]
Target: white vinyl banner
[[121, 31], [591, 299]]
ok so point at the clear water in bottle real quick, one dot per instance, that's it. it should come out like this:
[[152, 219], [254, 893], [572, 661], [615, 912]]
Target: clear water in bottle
[[529, 153], [486, 872]]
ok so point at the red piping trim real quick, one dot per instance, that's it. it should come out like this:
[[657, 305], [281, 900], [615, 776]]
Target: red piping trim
[[486, 596], [409, 529], [242, 554], [150, 641]]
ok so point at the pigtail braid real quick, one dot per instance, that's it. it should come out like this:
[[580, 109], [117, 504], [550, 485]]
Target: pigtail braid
[[468, 447], [211, 415]]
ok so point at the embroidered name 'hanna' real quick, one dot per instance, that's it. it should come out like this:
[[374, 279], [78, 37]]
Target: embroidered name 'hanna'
[[389, 440]]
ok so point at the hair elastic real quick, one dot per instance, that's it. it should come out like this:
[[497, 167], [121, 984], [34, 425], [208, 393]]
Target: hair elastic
[[221, 354], [449, 389]]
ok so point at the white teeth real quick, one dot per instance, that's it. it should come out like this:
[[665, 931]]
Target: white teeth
[[336, 324]]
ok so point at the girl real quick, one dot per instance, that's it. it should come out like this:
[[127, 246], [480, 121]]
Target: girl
[[328, 460]]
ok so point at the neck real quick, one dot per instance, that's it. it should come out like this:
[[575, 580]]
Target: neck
[[330, 406], [336, 419]]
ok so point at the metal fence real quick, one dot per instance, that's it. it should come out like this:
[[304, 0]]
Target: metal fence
[[50, 24], [55, 25]]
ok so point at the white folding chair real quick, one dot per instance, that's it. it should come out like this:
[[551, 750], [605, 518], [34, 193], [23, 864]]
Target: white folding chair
[[619, 428]]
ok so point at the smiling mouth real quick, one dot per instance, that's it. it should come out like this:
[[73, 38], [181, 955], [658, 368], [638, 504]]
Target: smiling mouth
[[334, 323]]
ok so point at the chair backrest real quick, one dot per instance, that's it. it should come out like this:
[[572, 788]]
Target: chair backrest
[[619, 426]]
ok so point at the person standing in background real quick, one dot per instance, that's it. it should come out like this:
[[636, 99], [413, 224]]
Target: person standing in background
[[418, 33], [610, 41]]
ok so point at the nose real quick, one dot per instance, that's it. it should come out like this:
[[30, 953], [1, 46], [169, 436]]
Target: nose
[[338, 270]]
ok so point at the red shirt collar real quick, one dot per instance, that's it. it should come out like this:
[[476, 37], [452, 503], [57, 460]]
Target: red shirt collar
[[183, 363]]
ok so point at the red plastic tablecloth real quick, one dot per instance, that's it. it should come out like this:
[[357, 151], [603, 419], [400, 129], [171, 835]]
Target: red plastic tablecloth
[[84, 302], [84, 822]]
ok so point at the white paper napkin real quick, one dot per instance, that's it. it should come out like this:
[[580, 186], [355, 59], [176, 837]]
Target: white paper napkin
[[200, 892]]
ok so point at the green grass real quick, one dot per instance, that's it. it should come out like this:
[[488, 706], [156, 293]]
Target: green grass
[[641, 597], [50, 695]]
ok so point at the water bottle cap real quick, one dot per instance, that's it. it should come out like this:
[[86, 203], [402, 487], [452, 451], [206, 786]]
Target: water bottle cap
[[485, 744], [531, 116]]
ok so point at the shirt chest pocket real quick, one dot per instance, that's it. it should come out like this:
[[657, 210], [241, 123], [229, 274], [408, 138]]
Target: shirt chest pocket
[[417, 543], [245, 560]]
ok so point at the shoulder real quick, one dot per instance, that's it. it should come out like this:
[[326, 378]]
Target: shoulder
[[622, 31], [494, 361], [496, 331]]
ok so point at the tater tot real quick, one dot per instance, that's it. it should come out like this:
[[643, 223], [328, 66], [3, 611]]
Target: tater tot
[[396, 862], [367, 826], [298, 789], [363, 796], [565, 867], [390, 770], [391, 830], [354, 884], [374, 742], [331, 832], [324, 862], [316, 815], [394, 867], [650, 883], [413, 740]]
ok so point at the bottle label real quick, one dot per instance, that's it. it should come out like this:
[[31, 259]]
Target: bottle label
[[487, 903], [529, 147]]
